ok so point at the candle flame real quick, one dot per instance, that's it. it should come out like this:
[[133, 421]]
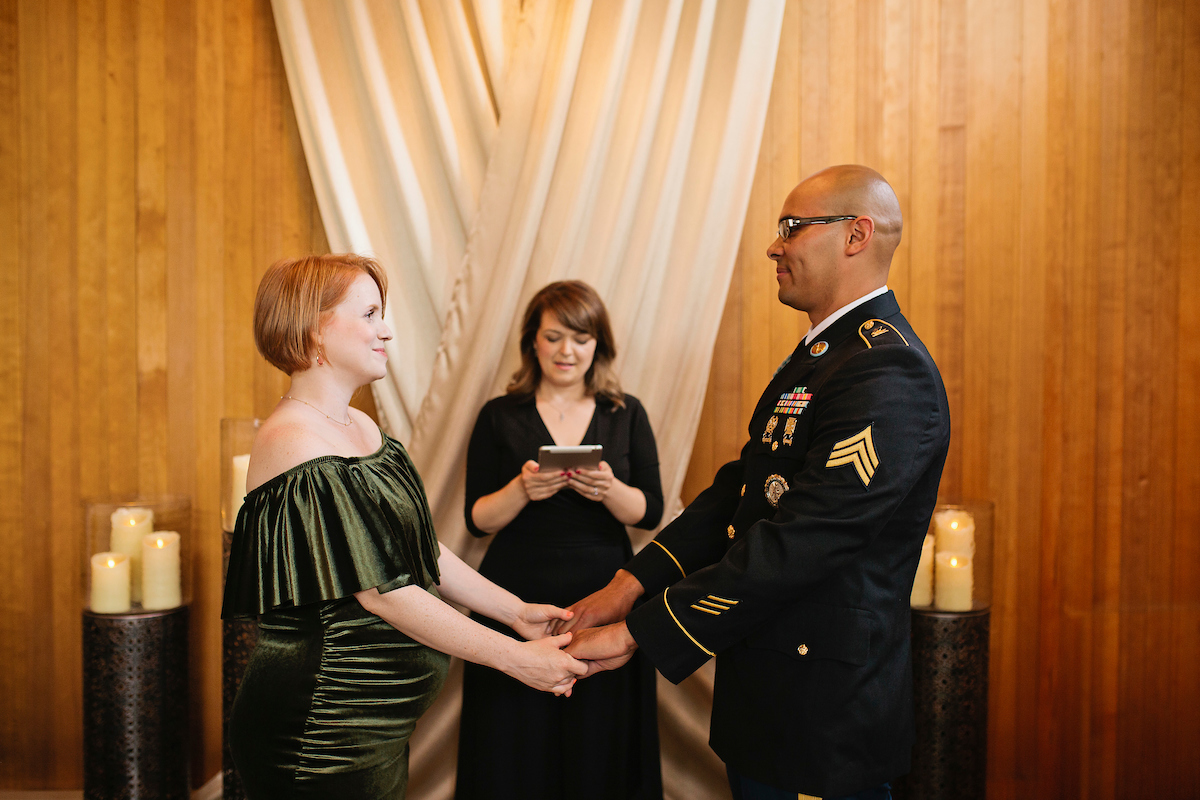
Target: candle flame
[[112, 563], [954, 562], [131, 522], [159, 543], [954, 525]]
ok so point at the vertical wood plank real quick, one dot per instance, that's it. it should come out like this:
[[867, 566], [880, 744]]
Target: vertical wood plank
[[1114, 175], [120, 281], [35, 731], [61, 329], [14, 189], [1185, 571], [151, 242], [208, 109]]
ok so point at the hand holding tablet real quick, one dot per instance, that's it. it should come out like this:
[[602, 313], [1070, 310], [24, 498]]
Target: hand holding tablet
[[569, 459]]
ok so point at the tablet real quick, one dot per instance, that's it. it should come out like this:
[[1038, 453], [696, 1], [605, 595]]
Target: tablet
[[585, 456]]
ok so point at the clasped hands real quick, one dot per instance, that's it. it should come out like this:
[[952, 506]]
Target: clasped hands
[[596, 626]]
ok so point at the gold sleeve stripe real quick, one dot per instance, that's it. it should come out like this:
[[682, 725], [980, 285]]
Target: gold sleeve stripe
[[711, 604], [706, 610], [685, 630], [672, 555], [723, 600]]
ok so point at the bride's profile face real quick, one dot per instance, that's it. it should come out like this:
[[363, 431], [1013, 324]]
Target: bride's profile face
[[354, 334], [564, 355]]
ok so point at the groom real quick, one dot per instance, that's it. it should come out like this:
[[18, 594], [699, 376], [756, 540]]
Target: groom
[[794, 568]]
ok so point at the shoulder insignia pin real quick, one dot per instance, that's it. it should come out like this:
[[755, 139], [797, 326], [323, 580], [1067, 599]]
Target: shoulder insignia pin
[[877, 328], [818, 349], [858, 451], [774, 489]]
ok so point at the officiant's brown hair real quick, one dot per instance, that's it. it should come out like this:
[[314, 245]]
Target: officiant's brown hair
[[294, 297], [580, 308]]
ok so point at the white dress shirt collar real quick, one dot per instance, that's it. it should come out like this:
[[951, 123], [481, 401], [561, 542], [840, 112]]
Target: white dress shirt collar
[[813, 333]]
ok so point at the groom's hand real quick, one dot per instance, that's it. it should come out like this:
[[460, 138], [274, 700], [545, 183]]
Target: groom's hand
[[603, 648], [611, 604]]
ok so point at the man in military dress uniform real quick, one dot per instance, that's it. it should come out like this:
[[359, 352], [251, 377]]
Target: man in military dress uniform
[[794, 568]]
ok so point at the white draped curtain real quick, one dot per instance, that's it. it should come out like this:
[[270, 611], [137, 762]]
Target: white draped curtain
[[483, 148]]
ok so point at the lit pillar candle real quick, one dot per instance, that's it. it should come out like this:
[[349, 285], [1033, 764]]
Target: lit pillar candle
[[922, 591], [953, 582], [160, 571], [129, 525], [954, 531], [237, 492], [110, 583]]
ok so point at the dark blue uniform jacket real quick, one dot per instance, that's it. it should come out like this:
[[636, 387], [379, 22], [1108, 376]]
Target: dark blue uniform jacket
[[794, 568]]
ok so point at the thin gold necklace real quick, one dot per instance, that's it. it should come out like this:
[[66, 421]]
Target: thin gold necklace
[[345, 424], [561, 414]]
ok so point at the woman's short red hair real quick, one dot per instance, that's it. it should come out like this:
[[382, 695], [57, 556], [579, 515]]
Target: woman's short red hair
[[294, 296]]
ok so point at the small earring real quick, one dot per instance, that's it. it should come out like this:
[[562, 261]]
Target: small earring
[[320, 363]]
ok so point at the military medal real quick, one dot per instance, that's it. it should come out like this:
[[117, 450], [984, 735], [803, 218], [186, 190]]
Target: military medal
[[771, 423], [818, 349], [788, 430], [774, 489]]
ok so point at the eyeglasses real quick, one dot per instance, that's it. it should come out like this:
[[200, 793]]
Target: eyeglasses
[[789, 225]]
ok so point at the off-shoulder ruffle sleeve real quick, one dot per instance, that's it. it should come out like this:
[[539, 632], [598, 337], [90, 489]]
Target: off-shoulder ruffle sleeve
[[328, 528]]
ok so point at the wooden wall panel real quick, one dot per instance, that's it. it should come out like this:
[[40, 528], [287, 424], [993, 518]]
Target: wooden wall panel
[[1047, 159], [150, 170], [1047, 156]]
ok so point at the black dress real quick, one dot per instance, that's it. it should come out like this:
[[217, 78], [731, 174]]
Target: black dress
[[602, 742], [332, 693]]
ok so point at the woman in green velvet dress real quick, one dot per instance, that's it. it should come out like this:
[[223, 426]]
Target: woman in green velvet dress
[[334, 551]]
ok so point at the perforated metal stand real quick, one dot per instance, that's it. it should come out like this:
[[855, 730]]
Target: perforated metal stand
[[950, 689], [135, 706]]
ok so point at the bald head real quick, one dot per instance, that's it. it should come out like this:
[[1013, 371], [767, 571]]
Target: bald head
[[859, 190], [827, 263]]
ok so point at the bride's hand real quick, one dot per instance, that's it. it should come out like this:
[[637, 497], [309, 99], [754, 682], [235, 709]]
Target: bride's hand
[[543, 665], [534, 620]]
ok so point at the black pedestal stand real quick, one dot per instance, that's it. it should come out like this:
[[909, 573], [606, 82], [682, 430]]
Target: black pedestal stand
[[135, 705], [950, 689]]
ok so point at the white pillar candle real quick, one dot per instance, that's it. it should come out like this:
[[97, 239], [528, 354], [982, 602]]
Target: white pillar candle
[[160, 571], [129, 525], [110, 583], [953, 582], [954, 531], [922, 591], [237, 492]]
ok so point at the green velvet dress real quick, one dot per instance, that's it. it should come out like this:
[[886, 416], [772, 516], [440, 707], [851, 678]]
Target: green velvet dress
[[332, 693]]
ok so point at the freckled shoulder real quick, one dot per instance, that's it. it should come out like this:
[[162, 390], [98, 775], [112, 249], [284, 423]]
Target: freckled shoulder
[[280, 444], [876, 331]]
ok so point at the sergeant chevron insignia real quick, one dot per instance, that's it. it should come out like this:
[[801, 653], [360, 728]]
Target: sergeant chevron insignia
[[858, 450]]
